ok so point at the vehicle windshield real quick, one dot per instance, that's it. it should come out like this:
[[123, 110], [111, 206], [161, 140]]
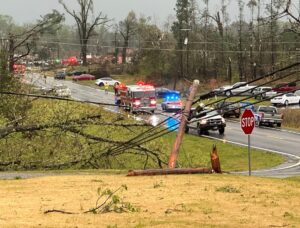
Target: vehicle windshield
[[143, 94], [211, 113], [267, 110], [266, 89]]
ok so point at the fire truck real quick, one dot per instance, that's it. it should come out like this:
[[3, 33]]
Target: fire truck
[[140, 97]]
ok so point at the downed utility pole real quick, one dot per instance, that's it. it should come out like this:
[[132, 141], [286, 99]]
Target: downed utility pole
[[183, 122]]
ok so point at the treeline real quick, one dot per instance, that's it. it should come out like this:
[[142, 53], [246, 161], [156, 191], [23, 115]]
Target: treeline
[[197, 42]]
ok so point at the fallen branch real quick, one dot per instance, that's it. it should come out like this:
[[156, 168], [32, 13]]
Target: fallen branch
[[59, 211], [20, 128]]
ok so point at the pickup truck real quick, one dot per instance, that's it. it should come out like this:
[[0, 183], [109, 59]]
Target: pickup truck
[[268, 115], [206, 120]]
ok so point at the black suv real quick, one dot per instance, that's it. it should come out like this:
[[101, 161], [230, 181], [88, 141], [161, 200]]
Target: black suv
[[228, 109]]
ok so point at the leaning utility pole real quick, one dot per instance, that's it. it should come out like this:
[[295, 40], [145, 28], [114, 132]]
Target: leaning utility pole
[[184, 116]]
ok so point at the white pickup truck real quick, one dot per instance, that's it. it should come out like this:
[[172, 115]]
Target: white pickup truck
[[206, 120], [268, 115]]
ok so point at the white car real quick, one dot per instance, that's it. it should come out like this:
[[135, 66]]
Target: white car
[[109, 81], [62, 91], [297, 92], [286, 99], [263, 92], [236, 88], [240, 88]]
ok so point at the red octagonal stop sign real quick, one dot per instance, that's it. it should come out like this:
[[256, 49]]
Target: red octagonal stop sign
[[247, 122]]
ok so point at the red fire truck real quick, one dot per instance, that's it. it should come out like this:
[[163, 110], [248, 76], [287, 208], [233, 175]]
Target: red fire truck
[[138, 97]]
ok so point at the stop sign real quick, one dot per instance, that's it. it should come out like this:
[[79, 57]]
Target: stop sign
[[247, 122]]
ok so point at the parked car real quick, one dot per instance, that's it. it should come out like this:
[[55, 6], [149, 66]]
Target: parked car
[[83, 77], [103, 81], [297, 92], [61, 91], [209, 120], [285, 87], [241, 88], [268, 115], [237, 88], [286, 99], [162, 92], [60, 75], [227, 109], [263, 92], [77, 73]]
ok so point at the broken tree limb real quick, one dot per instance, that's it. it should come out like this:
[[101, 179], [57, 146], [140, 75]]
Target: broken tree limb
[[152, 172]]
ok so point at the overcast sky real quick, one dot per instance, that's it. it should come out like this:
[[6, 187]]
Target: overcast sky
[[24, 11]]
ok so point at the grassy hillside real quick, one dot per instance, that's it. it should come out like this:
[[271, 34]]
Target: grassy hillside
[[90, 144]]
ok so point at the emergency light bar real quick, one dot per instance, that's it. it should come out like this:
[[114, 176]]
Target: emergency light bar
[[172, 97]]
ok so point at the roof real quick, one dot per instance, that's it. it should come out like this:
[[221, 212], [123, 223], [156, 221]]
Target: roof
[[141, 87]]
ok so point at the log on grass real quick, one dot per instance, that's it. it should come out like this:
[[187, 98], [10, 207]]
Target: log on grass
[[151, 172]]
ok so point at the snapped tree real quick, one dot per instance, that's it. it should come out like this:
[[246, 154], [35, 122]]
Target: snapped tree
[[84, 27]]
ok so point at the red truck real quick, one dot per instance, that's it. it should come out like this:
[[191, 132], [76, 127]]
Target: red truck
[[137, 98], [285, 87]]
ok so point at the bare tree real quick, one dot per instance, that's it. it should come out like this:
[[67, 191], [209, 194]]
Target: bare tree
[[24, 40], [240, 48], [85, 28], [127, 29]]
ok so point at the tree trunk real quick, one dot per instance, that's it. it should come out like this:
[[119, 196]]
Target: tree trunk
[[124, 51], [84, 52], [11, 55]]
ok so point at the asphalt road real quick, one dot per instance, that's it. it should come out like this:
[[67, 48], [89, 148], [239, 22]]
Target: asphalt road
[[279, 141]]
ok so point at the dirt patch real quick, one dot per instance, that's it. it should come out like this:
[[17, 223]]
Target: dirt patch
[[163, 201]]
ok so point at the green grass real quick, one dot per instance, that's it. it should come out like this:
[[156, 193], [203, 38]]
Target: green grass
[[53, 146], [195, 152]]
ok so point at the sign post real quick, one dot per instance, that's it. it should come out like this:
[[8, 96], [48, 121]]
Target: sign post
[[247, 125]]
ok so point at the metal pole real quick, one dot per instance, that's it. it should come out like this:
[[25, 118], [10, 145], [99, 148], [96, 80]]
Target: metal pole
[[249, 155], [183, 121]]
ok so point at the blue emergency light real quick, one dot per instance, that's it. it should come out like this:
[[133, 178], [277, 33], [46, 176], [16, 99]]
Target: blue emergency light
[[172, 97]]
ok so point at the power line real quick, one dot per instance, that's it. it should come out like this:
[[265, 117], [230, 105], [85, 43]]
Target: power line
[[174, 127], [140, 141], [173, 49], [58, 98]]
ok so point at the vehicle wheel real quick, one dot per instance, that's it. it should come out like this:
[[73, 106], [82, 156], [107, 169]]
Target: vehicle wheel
[[101, 84], [228, 93], [278, 124], [221, 131], [237, 115], [286, 103], [257, 123], [187, 129], [152, 111], [200, 131]]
